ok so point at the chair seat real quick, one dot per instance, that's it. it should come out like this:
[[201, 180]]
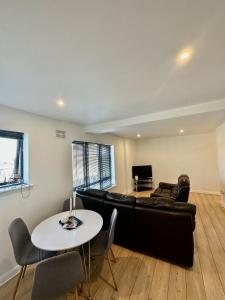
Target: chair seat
[[98, 244], [32, 254]]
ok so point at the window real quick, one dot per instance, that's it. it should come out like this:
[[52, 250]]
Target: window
[[11, 158], [93, 165]]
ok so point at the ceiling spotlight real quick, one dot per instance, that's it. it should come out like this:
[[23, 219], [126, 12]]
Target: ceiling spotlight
[[138, 135], [185, 55], [181, 130], [60, 102]]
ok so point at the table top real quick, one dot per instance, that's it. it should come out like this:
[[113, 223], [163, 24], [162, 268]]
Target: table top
[[50, 235]]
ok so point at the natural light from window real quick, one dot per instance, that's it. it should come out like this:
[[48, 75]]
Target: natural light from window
[[8, 148]]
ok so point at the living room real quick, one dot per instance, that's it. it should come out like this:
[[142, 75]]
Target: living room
[[130, 76]]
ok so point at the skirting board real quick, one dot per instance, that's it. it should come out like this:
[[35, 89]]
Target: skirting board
[[206, 192], [8, 275]]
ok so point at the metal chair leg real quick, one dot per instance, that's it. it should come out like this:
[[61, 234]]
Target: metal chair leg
[[18, 282], [110, 267], [81, 288], [24, 270], [114, 258], [86, 274], [76, 294]]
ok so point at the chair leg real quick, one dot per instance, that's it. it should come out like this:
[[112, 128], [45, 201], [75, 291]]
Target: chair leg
[[24, 270], [81, 288], [114, 258], [110, 267], [75, 294], [86, 275], [18, 282]]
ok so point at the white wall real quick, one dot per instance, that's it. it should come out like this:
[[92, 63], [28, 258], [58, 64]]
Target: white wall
[[50, 167], [129, 158], [220, 138], [195, 155]]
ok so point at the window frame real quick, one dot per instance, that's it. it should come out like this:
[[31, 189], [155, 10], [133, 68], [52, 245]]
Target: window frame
[[19, 136], [86, 164]]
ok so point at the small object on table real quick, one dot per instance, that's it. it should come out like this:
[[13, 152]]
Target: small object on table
[[70, 222]]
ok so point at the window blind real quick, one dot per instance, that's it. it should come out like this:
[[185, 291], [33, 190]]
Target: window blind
[[92, 167]]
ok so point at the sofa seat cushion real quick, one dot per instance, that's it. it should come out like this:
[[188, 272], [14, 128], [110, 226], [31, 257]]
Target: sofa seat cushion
[[94, 193], [154, 202], [162, 191], [166, 193], [120, 198]]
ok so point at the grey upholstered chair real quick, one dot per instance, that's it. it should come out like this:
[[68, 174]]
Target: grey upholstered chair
[[56, 276], [102, 244], [25, 252], [66, 204]]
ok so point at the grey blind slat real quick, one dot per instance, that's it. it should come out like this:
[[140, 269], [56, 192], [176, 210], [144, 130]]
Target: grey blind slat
[[91, 165]]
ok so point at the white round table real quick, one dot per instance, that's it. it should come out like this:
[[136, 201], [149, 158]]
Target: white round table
[[50, 235]]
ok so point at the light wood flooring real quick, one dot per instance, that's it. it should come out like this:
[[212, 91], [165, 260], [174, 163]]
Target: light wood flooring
[[143, 277]]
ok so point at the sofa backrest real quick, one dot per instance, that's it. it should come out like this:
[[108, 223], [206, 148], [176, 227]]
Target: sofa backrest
[[166, 204]]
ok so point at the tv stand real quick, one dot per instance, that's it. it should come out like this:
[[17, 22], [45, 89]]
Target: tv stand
[[143, 184]]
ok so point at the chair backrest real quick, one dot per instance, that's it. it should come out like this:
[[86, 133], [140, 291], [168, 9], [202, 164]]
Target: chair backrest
[[112, 228], [66, 204], [20, 238], [56, 276]]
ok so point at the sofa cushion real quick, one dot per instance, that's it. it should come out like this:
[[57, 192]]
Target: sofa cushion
[[160, 192], [120, 198], [157, 202], [174, 192], [94, 193]]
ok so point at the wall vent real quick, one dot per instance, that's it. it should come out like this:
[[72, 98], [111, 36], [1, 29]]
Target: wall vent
[[60, 134]]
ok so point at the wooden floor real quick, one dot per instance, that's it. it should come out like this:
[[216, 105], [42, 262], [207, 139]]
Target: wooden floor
[[142, 277]]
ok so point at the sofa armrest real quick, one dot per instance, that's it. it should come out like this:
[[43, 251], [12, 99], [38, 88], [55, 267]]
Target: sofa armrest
[[165, 185]]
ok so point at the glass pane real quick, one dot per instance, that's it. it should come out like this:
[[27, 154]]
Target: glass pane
[[93, 165], [106, 169], [78, 165], [95, 186], [106, 183], [8, 149]]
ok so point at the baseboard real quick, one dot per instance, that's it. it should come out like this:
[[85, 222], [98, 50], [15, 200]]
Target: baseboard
[[206, 192], [8, 275]]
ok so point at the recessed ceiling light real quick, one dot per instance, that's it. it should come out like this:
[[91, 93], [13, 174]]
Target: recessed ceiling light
[[60, 102], [138, 135], [185, 55], [181, 130]]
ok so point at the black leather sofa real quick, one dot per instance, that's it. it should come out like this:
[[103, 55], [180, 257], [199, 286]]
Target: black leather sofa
[[157, 226], [178, 192]]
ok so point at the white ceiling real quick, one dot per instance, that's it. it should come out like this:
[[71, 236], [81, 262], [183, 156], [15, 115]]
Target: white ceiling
[[111, 59], [197, 124]]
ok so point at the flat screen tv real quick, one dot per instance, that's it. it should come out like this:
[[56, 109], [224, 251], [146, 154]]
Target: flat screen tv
[[143, 172]]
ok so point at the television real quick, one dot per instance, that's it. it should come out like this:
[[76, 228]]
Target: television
[[143, 172]]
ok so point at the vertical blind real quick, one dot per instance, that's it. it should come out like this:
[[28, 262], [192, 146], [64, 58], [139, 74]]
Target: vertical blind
[[92, 167]]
